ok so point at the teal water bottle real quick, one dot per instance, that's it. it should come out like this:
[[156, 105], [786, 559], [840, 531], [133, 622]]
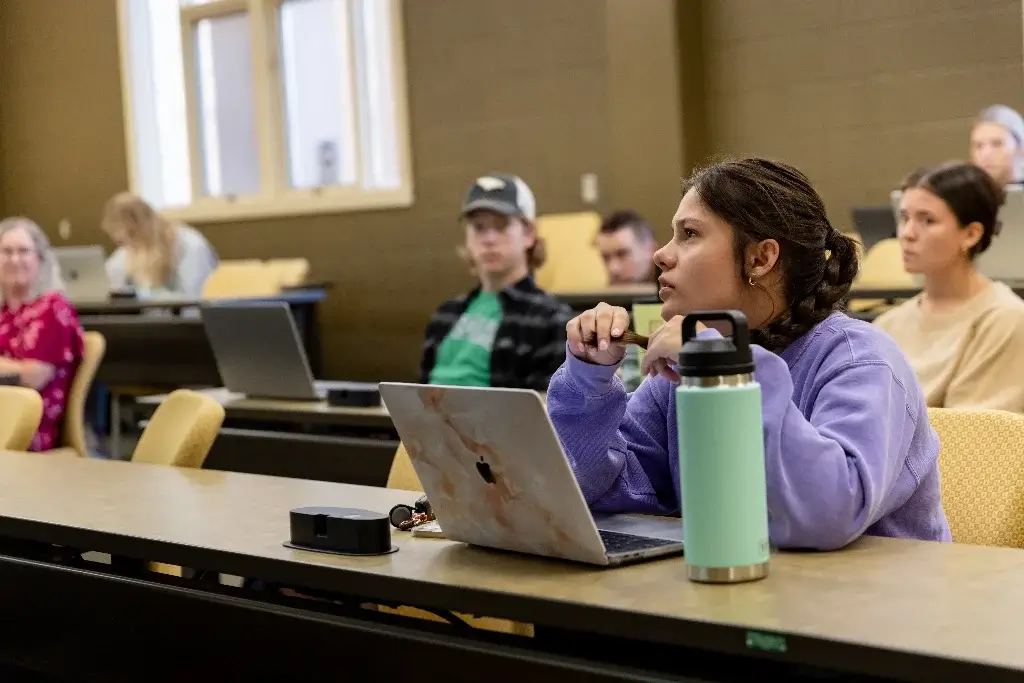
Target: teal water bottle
[[721, 454]]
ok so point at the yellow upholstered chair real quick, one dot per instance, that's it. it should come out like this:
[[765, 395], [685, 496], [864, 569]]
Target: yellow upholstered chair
[[573, 262], [291, 272], [981, 462], [21, 409], [181, 431], [881, 268], [402, 475], [242, 278], [73, 441]]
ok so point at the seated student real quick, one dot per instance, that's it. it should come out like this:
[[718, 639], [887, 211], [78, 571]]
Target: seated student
[[997, 144], [626, 243], [627, 246], [964, 334], [506, 332], [153, 254], [848, 447], [40, 338]]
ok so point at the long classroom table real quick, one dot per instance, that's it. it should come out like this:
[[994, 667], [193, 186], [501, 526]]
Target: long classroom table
[[880, 609]]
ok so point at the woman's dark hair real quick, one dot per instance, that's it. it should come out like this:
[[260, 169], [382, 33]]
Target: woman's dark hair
[[764, 199], [971, 194]]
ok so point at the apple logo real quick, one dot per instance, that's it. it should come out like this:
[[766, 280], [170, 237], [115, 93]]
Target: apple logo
[[485, 471]]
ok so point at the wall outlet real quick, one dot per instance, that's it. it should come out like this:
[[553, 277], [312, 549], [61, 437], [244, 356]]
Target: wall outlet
[[588, 188], [64, 229]]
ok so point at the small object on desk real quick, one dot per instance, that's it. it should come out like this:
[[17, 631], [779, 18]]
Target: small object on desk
[[428, 530], [627, 337], [340, 531], [123, 293], [353, 394], [405, 517], [10, 379]]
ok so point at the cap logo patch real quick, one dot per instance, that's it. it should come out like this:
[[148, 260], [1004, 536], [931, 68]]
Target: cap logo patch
[[490, 183]]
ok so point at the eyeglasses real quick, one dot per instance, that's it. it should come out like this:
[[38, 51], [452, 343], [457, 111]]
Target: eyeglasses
[[20, 252]]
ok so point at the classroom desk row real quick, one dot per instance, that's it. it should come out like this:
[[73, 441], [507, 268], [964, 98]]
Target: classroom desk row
[[172, 349], [627, 296], [881, 609]]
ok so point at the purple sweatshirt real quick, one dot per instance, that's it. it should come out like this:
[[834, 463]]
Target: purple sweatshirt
[[848, 448]]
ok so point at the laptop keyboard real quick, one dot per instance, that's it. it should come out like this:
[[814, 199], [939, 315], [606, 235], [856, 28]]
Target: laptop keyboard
[[616, 542]]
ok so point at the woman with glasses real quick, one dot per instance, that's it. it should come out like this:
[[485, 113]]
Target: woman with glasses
[[40, 339]]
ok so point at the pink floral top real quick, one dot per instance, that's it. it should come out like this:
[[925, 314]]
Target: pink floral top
[[45, 330]]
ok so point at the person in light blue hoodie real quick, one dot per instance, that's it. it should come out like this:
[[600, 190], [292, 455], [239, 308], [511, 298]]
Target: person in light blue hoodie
[[848, 446]]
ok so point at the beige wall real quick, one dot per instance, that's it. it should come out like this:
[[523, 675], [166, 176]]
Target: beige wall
[[552, 90], [857, 94]]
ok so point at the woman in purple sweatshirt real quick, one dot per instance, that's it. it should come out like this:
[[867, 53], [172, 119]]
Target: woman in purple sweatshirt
[[848, 447]]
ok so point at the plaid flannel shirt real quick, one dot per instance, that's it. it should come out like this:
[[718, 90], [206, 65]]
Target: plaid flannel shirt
[[529, 344]]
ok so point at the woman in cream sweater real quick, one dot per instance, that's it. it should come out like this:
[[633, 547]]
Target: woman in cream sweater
[[964, 334]]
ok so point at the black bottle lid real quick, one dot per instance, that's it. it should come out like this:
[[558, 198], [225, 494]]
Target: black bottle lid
[[716, 356]]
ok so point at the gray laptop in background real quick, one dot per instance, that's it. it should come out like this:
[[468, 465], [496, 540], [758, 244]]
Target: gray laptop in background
[[84, 271], [259, 353]]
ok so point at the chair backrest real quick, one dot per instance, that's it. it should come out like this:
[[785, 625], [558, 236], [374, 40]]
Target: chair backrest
[[573, 262], [242, 278], [981, 462], [21, 409], [402, 475], [181, 431], [882, 266], [73, 429], [291, 272]]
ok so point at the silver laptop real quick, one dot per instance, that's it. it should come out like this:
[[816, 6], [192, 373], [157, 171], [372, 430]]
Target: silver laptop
[[84, 271], [259, 353], [495, 474], [1004, 259]]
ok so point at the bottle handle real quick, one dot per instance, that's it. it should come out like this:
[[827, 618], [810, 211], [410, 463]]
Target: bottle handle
[[740, 329]]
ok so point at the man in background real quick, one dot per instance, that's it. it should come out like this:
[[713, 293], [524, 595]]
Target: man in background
[[506, 332], [626, 243]]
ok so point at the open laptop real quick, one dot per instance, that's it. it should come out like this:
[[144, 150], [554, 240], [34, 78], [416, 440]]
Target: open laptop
[[259, 354], [495, 474], [84, 271], [874, 223], [1003, 259]]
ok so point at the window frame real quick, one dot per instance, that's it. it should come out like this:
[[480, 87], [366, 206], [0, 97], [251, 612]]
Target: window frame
[[275, 198]]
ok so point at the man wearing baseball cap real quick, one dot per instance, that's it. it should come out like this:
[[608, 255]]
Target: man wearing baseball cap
[[507, 332]]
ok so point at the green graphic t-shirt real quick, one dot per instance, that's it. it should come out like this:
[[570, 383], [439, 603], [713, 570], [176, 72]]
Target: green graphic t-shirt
[[464, 357]]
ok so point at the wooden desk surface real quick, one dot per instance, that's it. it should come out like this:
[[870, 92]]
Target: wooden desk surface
[[624, 296], [941, 600], [295, 296], [237, 405]]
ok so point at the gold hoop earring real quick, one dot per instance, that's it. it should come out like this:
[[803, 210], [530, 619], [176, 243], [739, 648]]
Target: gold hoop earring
[[750, 281]]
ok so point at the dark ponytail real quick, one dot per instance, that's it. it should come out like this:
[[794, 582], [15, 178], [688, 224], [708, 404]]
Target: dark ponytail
[[764, 199]]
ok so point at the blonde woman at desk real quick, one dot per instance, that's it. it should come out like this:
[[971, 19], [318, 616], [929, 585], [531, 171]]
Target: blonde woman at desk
[[964, 334], [848, 447], [154, 256], [40, 338]]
